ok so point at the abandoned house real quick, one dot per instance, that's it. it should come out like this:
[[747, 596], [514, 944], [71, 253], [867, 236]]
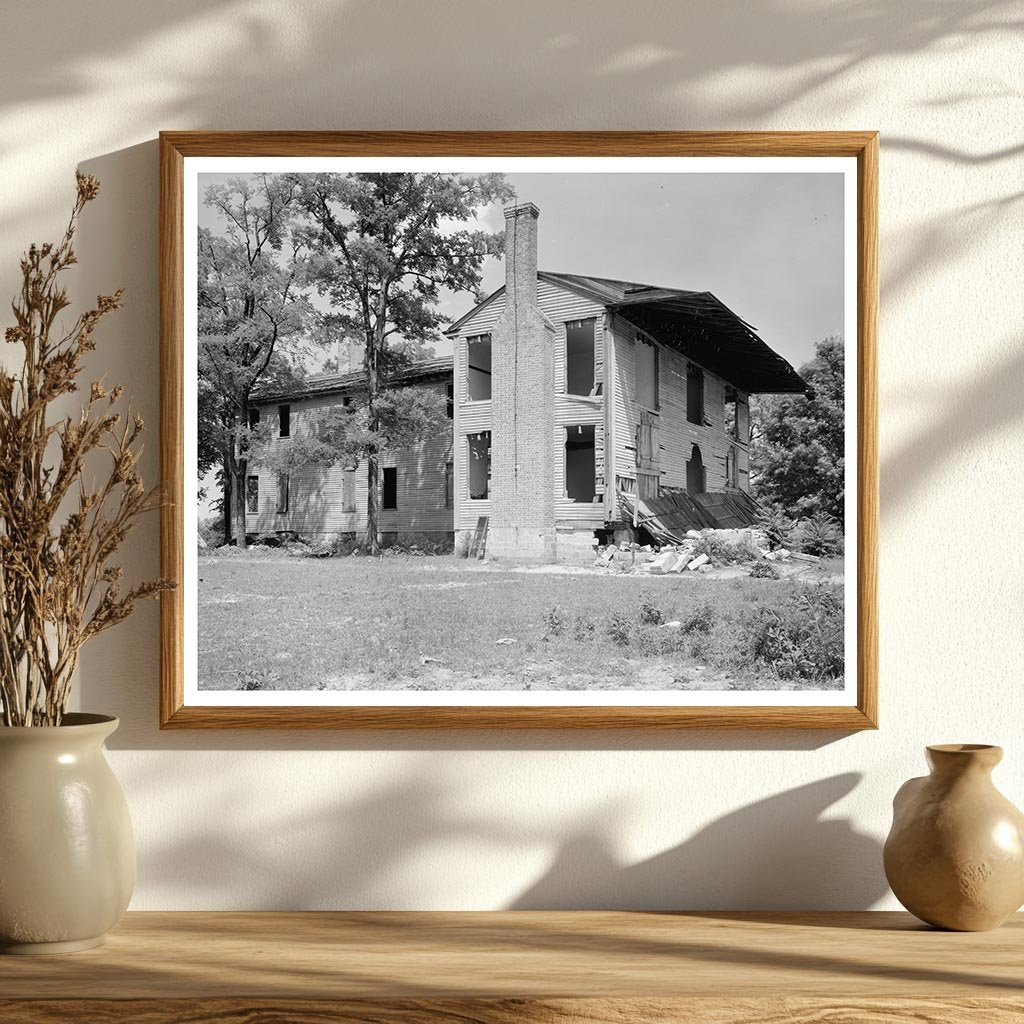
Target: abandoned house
[[570, 398]]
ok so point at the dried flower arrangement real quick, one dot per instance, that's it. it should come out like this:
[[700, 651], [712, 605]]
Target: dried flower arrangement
[[58, 586]]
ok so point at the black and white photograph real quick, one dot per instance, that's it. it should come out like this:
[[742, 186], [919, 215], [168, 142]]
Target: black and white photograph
[[520, 431]]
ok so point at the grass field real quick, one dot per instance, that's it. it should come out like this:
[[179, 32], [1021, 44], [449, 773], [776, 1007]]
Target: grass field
[[277, 623]]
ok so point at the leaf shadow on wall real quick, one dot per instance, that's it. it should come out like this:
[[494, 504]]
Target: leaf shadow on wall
[[357, 64], [780, 852], [393, 847]]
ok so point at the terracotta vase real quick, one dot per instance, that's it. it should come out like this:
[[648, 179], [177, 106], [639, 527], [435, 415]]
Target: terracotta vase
[[955, 854], [67, 859]]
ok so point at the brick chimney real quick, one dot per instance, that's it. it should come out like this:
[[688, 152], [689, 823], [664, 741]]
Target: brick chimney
[[521, 253], [523, 405]]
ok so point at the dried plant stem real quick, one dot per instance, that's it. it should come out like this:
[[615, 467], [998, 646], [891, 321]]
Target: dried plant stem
[[58, 585]]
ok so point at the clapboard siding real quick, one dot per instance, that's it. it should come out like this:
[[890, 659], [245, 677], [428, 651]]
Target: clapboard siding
[[316, 495], [676, 435], [559, 305]]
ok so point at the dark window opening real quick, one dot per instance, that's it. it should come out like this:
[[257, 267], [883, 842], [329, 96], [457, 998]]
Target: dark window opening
[[580, 463], [478, 368], [284, 419], [252, 494], [449, 485], [479, 451], [282, 493], [450, 401], [346, 401], [647, 370], [695, 478], [390, 497], [695, 395], [254, 418], [579, 357]]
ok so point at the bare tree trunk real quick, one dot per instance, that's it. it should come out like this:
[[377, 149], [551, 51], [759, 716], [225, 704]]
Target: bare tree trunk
[[226, 486], [373, 350], [372, 478], [240, 471]]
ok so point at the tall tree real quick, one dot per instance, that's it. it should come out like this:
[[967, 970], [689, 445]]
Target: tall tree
[[798, 455], [250, 303], [385, 245]]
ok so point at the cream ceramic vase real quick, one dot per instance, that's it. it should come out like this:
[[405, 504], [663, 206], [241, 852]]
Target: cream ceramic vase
[[955, 855], [67, 859]]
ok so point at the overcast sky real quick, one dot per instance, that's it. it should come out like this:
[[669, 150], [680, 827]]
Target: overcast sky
[[770, 246]]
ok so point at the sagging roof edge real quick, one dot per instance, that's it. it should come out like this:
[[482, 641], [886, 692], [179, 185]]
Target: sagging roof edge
[[786, 378]]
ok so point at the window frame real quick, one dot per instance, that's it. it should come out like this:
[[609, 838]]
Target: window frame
[[476, 339], [284, 420], [252, 494], [640, 339], [469, 464], [565, 463], [695, 372], [385, 471], [348, 490], [594, 384], [283, 494]]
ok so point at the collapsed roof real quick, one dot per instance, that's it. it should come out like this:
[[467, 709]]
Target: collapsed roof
[[697, 324]]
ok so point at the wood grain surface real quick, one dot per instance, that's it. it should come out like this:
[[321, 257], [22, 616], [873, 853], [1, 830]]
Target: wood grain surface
[[176, 146], [513, 1011], [527, 955]]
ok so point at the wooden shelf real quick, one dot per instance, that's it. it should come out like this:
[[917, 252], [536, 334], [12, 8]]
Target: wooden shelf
[[500, 968]]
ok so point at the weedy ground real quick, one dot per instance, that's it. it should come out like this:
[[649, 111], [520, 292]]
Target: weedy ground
[[402, 622]]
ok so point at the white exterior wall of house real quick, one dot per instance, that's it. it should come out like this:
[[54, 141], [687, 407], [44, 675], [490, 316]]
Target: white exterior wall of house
[[676, 435], [560, 306], [320, 500]]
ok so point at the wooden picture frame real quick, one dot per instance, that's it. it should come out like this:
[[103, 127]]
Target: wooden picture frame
[[177, 147]]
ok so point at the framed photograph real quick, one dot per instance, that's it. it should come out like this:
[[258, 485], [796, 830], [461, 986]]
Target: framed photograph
[[519, 430]]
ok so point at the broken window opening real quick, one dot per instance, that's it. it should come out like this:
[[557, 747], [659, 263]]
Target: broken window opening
[[389, 499], [479, 457], [730, 418], [449, 408], [743, 421], [580, 463], [737, 416], [695, 476], [449, 485], [252, 494], [284, 420], [647, 370], [731, 474], [254, 418], [478, 368], [695, 395], [282, 493], [579, 357]]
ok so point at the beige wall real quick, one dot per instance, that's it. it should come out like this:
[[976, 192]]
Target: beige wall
[[494, 820]]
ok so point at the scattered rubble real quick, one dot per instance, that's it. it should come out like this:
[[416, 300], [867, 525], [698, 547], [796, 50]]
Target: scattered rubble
[[727, 552]]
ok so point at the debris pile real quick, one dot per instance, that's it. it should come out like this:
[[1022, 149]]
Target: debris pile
[[703, 552]]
